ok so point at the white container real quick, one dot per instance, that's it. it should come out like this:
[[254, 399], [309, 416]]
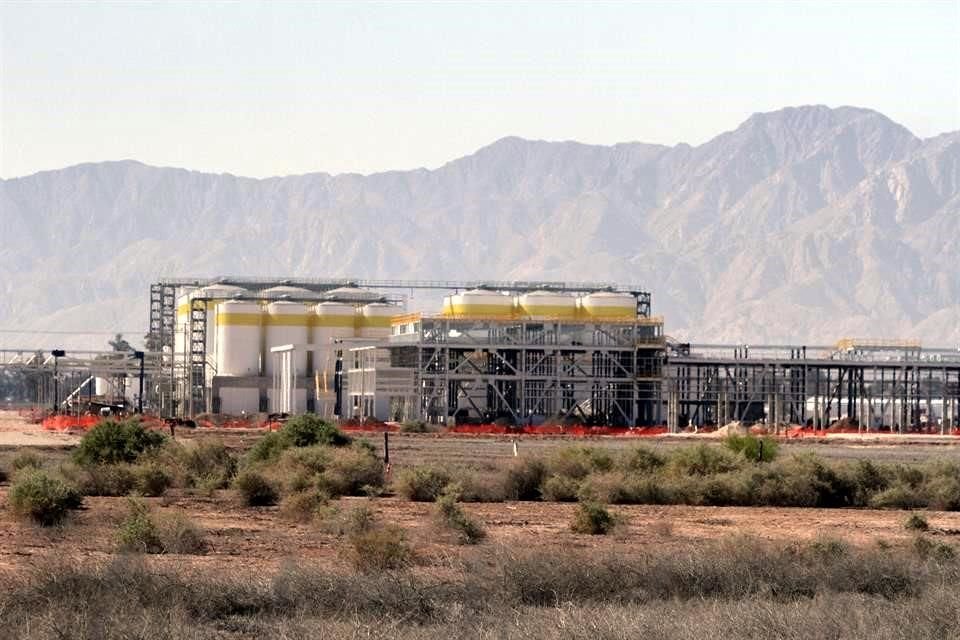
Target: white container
[[480, 303], [608, 305], [238, 332], [540, 305], [286, 323]]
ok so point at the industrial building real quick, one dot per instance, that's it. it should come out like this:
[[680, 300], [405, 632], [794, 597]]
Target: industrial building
[[522, 353]]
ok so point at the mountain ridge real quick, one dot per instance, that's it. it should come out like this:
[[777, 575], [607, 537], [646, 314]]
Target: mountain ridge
[[800, 225]]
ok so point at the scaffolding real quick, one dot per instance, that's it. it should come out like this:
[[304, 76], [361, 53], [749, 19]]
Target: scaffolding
[[525, 371]]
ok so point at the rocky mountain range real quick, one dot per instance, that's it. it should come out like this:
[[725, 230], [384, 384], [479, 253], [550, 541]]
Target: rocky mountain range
[[801, 226]]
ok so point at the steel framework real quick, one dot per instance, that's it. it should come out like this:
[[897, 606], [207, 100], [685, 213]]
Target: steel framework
[[874, 385]]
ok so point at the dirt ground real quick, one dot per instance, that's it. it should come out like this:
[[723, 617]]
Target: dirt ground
[[258, 539]]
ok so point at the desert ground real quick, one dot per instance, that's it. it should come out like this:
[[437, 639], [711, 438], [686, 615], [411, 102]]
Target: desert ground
[[258, 538]]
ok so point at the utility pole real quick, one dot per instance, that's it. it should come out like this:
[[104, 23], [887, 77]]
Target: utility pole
[[139, 356], [57, 354]]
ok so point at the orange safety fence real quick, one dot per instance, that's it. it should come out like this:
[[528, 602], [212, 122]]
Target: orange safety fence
[[67, 422], [556, 430]]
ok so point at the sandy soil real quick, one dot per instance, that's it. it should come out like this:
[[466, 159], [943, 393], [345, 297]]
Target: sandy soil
[[16, 431]]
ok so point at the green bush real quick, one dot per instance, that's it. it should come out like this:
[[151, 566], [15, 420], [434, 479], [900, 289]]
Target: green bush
[[450, 516], [42, 498], [138, 532], [352, 471], [255, 490], [942, 493], [592, 518], [916, 522], [26, 460], [307, 430], [379, 549], [523, 478], [421, 483], [752, 448], [113, 442], [268, 447]]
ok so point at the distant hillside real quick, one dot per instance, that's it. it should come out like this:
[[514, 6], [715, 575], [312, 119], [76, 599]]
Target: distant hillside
[[802, 225]]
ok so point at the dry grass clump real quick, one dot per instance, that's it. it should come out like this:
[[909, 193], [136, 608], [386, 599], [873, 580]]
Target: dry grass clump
[[304, 506], [593, 518], [26, 460], [746, 590], [379, 548]]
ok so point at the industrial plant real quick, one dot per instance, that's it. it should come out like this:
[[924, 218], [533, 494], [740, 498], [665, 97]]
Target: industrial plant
[[522, 353], [518, 354]]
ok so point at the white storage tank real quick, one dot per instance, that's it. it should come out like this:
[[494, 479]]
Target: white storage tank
[[374, 320], [214, 294], [286, 323], [352, 294], [481, 302], [284, 292], [332, 321], [608, 305], [238, 338], [540, 305]]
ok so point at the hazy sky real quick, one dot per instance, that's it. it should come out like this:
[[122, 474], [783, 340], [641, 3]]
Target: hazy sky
[[263, 89]]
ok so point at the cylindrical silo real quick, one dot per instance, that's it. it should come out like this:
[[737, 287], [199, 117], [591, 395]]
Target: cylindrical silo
[[333, 321], [374, 320], [213, 295], [286, 323], [540, 305], [481, 302], [238, 338], [608, 305]]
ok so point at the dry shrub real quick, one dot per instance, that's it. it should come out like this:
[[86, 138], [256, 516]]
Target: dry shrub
[[523, 478], [899, 496], [560, 489], [422, 483], [380, 548], [151, 479], [255, 490], [916, 522], [640, 460], [303, 506], [578, 462]]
